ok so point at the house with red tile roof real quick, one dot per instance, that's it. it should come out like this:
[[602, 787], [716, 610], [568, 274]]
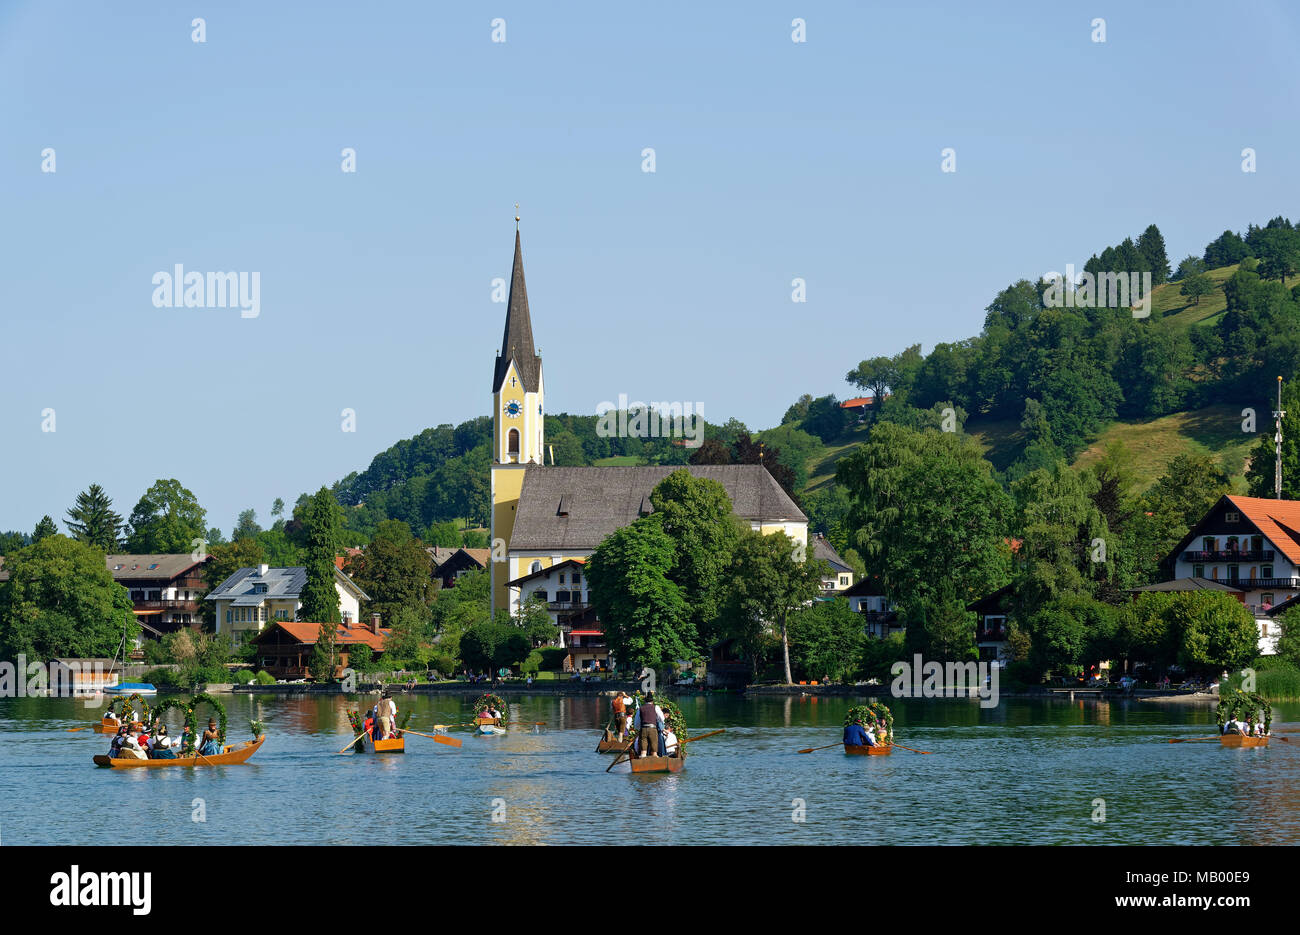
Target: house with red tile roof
[[285, 647], [1252, 545]]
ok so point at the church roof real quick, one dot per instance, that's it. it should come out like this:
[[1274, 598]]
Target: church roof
[[517, 341], [599, 500]]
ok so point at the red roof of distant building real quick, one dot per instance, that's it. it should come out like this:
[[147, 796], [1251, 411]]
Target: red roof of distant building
[[1279, 520], [857, 401], [308, 633]]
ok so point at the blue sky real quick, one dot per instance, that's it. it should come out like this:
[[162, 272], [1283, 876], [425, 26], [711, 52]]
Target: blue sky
[[774, 160]]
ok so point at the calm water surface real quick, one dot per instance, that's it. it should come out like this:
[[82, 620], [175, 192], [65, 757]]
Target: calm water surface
[[1026, 772]]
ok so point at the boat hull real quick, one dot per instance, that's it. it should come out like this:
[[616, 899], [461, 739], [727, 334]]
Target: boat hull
[[612, 745], [143, 689], [231, 756], [488, 730], [657, 764], [853, 750], [110, 727], [1241, 740], [388, 745]]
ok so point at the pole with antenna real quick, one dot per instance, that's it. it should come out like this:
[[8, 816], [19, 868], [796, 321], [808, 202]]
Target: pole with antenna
[[1278, 413]]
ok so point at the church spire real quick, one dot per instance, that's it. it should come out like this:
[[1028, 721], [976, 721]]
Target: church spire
[[517, 341]]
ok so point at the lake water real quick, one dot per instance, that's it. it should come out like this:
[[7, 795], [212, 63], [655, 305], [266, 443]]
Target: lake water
[[1026, 772]]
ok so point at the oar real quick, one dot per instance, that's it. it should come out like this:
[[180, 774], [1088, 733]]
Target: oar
[[354, 740], [720, 730], [910, 750], [1192, 739], [449, 741], [619, 759], [827, 747]]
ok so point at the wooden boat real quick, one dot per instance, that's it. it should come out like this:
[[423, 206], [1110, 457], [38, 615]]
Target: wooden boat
[[611, 744], [1241, 740], [854, 750], [229, 756], [488, 726], [387, 745], [658, 764], [110, 727]]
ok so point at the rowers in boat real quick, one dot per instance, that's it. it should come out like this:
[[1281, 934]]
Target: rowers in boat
[[656, 747], [1255, 730], [867, 731], [489, 711]]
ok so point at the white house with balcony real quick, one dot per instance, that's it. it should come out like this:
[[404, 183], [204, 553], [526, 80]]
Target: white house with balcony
[[1252, 546], [252, 597]]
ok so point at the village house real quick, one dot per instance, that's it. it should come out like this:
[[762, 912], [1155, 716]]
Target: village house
[[166, 590], [1250, 546], [450, 564], [839, 577], [252, 597], [285, 647]]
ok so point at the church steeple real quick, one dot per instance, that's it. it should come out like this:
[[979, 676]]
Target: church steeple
[[517, 340]]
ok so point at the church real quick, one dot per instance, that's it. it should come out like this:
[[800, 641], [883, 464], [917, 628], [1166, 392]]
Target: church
[[547, 520]]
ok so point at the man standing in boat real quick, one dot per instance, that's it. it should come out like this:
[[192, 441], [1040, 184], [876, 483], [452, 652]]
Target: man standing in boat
[[648, 724], [619, 712]]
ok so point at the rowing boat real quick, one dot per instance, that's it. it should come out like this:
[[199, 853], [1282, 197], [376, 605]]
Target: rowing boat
[[611, 744], [229, 756], [854, 750], [657, 764], [488, 726], [387, 745], [1241, 740], [111, 727], [132, 688]]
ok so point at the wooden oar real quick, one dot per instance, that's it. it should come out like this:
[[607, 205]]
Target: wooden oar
[[910, 750], [354, 740], [449, 741], [1192, 739], [720, 730], [827, 747], [619, 759]]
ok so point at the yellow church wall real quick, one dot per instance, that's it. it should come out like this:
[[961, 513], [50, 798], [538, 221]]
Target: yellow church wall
[[507, 482]]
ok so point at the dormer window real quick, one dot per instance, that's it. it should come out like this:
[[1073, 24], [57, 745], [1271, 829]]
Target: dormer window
[[1232, 517]]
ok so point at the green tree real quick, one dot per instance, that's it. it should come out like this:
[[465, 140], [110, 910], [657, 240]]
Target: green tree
[[826, 640], [695, 513], [646, 617], [772, 577], [535, 620], [61, 600], [93, 521], [246, 526], [1152, 247], [46, 527], [941, 631], [799, 410], [323, 519], [880, 376], [1263, 457], [167, 519], [491, 646], [1216, 630], [1195, 286], [928, 516], [395, 570]]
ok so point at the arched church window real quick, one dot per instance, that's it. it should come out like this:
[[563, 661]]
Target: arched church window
[[512, 444]]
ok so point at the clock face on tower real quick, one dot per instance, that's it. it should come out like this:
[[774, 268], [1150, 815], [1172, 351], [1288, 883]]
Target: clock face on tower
[[513, 409]]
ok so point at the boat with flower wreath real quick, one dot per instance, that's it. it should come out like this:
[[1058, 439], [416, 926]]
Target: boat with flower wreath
[[230, 754], [675, 722], [127, 715], [1241, 706], [490, 726], [368, 744], [875, 717]]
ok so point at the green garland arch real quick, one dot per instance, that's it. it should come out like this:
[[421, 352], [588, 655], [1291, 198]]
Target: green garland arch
[[177, 704], [489, 700], [129, 709], [221, 715], [875, 714], [1243, 705]]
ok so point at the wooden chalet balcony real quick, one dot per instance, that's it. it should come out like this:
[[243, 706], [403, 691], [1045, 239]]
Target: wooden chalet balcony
[[992, 635], [566, 605], [1230, 555]]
